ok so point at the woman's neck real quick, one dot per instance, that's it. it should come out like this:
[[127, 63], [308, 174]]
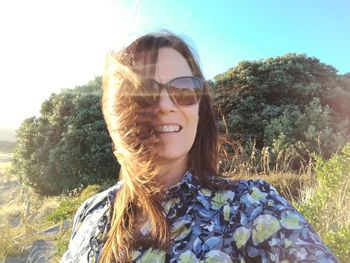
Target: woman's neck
[[174, 170]]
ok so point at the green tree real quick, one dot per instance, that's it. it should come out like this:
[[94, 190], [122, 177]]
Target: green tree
[[67, 145], [293, 96]]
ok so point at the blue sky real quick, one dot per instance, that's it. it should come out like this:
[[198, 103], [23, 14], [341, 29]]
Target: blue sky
[[48, 45], [226, 32]]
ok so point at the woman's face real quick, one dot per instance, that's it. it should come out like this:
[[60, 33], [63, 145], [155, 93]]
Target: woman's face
[[174, 145]]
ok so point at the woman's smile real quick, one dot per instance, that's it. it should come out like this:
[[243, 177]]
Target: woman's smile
[[168, 128]]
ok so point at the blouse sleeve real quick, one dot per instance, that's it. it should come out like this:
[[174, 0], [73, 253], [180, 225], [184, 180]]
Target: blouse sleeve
[[90, 226], [279, 233], [74, 242]]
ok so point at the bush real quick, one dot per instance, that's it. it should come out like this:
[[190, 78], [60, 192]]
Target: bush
[[69, 205], [295, 97], [339, 242], [327, 207], [68, 145]]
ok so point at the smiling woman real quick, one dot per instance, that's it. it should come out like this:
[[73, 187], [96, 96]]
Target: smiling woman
[[171, 205], [175, 123]]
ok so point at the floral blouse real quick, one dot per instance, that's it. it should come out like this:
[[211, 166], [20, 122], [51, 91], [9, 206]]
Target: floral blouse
[[250, 222]]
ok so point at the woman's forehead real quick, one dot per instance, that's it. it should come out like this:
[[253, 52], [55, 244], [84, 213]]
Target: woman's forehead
[[163, 65], [170, 64]]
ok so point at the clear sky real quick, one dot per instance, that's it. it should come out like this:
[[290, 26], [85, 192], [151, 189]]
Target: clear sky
[[48, 45]]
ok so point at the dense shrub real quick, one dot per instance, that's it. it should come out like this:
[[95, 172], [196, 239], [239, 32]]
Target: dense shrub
[[67, 145], [290, 101], [327, 207]]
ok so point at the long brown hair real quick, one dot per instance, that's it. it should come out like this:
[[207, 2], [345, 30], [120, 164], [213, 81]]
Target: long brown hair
[[135, 142]]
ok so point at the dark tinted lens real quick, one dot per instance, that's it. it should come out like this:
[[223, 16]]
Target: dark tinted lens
[[185, 91], [149, 93]]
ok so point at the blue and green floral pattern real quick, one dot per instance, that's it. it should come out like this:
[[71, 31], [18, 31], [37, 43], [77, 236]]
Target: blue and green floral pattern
[[250, 222]]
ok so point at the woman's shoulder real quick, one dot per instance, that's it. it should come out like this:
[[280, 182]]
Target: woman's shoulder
[[89, 216], [267, 222], [242, 185], [250, 192], [258, 201]]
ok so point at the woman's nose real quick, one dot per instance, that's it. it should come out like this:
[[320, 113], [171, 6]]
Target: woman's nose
[[165, 103]]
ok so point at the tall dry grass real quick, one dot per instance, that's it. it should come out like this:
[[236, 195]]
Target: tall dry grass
[[22, 215]]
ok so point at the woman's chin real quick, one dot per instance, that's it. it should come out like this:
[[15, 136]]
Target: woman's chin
[[172, 155]]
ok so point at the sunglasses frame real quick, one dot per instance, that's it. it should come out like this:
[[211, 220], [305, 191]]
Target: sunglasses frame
[[166, 86]]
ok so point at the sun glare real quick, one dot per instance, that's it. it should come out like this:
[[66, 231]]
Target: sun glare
[[52, 45]]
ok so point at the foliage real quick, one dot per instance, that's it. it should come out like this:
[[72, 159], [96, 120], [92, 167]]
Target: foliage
[[294, 101], [327, 206], [68, 145], [61, 242], [69, 205], [339, 242]]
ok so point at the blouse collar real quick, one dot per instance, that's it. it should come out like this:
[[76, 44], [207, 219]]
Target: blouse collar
[[188, 185]]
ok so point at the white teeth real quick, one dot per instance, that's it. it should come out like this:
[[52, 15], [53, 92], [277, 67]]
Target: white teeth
[[168, 128]]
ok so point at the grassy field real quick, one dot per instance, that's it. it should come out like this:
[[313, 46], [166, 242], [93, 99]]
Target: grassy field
[[323, 197]]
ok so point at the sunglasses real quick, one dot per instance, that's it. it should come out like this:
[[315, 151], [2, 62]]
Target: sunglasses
[[183, 91]]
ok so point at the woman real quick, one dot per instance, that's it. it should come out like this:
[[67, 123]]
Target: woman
[[170, 205]]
